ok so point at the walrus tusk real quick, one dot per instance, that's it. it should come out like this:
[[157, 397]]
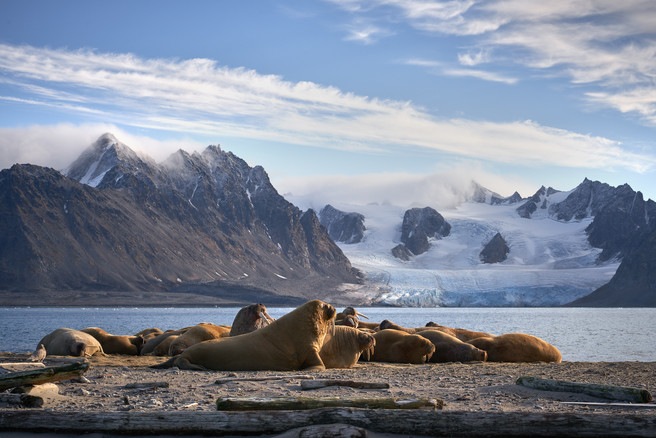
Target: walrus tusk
[[264, 318], [332, 323], [358, 314]]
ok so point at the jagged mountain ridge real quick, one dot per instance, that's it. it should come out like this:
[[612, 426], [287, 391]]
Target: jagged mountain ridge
[[120, 221]]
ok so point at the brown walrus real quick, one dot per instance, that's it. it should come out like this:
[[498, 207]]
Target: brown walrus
[[460, 333], [159, 345], [451, 349], [290, 343], [401, 347], [349, 321], [350, 311], [149, 333], [198, 333], [116, 344], [343, 348], [69, 342], [517, 347], [250, 318]]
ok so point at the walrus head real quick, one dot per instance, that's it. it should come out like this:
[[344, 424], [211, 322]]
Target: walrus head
[[138, 341], [352, 312], [349, 321], [250, 318], [79, 349]]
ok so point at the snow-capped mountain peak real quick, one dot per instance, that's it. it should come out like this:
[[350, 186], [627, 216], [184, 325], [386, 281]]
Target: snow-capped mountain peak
[[101, 157]]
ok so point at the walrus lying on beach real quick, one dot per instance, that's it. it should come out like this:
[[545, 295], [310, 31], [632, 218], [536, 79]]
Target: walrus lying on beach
[[451, 349], [250, 318], [198, 333], [462, 334], [351, 317], [400, 347], [149, 333], [290, 343], [116, 344], [343, 348], [159, 345], [69, 342], [517, 347]]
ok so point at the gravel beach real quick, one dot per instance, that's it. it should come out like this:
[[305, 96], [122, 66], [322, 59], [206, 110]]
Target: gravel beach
[[481, 387]]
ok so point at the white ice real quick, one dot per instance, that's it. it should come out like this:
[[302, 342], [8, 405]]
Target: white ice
[[550, 262]]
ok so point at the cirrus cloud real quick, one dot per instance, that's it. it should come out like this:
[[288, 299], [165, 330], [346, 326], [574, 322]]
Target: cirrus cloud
[[201, 96]]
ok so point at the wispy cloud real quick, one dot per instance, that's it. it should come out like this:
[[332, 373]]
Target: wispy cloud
[[200, 96], [480, 74], [441, 189], [440, 68], [366, 33], [606, 44]]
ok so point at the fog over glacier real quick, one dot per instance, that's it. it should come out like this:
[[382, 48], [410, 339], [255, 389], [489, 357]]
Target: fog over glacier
[[550, 262]]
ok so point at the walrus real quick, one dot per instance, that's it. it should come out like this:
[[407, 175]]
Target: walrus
[[517, 347], [451, 349], [153, 348], [349, 321], [289, 343], [460, 333], [116, 344], [39, 354], [69, 342], [250, 318], [350, 311], [149, 333], [401, 347], [343, 349], [198, 333]]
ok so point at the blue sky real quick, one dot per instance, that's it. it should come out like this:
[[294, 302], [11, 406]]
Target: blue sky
[[345, 97]]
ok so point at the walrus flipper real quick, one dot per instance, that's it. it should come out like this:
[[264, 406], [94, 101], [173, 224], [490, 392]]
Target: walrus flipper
[[168, 364], [313, 363], [181, 363]]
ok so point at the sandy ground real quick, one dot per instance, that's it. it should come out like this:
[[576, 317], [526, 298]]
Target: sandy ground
[[489, 387]]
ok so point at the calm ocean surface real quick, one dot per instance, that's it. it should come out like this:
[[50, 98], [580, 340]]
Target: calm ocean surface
[[581, 334]]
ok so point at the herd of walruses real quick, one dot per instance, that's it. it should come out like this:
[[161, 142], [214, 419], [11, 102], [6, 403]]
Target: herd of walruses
[[311, 337]]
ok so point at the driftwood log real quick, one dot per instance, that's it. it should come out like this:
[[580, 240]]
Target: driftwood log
[[392, 421], [302, 403], [44, 375], [261, 379], [21, 366], [323, 383], [608, 392], [22, 400], [614, 405], [141, 385]]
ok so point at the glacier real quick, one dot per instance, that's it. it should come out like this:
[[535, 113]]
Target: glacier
[[550, 262]]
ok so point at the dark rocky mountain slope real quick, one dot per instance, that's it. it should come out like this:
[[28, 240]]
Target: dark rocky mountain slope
[[342, 226], [197, 222], [420, 224], [495, 251]]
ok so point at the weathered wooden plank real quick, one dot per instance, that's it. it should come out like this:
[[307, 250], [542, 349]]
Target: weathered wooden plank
[[141, 385], [323, 383], [21, 366], [261, 379], [22, 400], [394, 421], [35, 377], [301, 403], [614, 405], [609, 392]]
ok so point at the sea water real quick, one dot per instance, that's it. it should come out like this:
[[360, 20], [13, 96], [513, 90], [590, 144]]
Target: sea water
[[581, 334]]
